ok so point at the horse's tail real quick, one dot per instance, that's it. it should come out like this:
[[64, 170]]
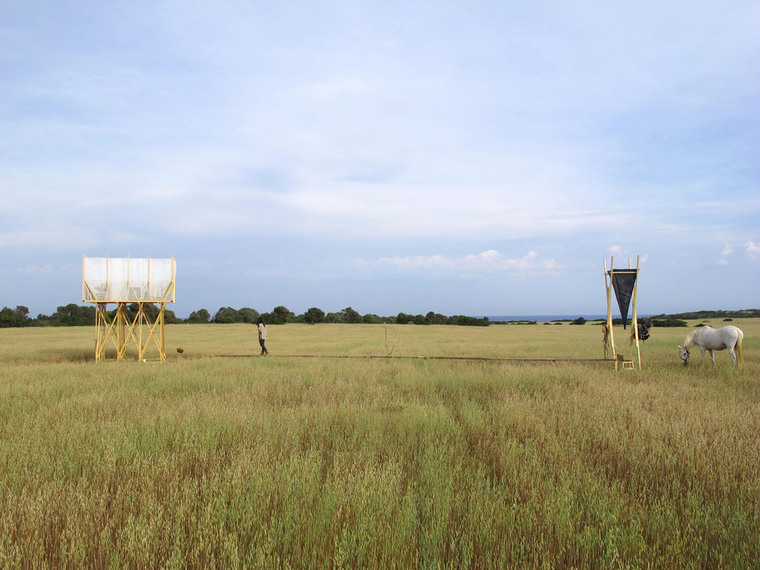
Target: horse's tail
[[739, 351]]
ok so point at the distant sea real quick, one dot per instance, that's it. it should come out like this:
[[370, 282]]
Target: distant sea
[[544, 318]]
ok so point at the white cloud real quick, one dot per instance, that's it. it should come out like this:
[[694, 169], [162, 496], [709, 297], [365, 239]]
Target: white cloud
[[753, 249], [35, 270], [615, 250], [519, 209], [53, 238], [486, 262], [725, 254]]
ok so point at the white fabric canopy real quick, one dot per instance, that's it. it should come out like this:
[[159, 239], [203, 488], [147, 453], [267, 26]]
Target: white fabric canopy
[[123, 279]]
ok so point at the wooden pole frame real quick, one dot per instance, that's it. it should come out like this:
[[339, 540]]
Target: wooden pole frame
[[620, 360], [608, 287], [634, 316]]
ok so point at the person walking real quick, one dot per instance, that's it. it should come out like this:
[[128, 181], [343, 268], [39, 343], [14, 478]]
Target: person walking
[[263, 337]]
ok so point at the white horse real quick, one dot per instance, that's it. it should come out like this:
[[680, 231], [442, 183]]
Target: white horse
[[708, 338]]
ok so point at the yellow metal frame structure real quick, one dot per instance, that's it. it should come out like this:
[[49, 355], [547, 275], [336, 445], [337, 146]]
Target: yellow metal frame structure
[[120, 331], [620, 360]]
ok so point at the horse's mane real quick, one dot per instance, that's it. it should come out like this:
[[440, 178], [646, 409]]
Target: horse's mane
[[690, 338]]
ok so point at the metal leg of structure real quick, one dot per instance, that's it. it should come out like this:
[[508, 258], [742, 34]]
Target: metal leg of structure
[[121, 332]]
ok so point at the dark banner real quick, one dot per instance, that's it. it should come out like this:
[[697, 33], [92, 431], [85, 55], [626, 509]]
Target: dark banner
[[623, 281]]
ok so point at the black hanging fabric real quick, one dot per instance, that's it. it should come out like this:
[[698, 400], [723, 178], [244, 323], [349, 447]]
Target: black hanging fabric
[[623, 281]]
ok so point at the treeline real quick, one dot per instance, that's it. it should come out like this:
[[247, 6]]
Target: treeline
[[740, 314], [72, 316], [76, 315], [654, 322], [281, 315]]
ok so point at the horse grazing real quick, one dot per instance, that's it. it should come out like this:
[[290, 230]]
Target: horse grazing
[[708, 338]]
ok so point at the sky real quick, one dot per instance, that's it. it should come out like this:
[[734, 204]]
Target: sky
[[477, 158]]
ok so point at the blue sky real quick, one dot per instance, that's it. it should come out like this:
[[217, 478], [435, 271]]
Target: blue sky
[[459, 157]]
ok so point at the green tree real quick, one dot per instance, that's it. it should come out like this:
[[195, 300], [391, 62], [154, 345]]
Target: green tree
[[199, 316], [74, 315], [435, 318], [248, 315], [42, 321], [170, 317], [669, 323], [372, 319], [404, 318], [23, 313], [151, 311], [227, 315], [464, 320], [314, 316], [17, 317], [281, 315], [351, 316]]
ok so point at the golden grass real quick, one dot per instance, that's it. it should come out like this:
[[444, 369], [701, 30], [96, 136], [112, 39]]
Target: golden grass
[[355, 462]]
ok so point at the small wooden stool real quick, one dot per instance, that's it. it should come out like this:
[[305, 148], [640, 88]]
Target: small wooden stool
[[625, 363]]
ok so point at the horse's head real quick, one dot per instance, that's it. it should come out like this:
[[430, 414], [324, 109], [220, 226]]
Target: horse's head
[[684, 354]]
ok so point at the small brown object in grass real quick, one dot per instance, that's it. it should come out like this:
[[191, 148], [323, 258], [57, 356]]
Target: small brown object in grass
[[180, 350]]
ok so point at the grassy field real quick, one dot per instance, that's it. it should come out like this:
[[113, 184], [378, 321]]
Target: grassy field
[[284, 461]]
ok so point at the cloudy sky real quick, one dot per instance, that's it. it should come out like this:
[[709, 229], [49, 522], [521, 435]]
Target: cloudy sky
[[480, 157]]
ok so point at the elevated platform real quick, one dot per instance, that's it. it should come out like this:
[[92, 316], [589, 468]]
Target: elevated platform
[[140, 288]]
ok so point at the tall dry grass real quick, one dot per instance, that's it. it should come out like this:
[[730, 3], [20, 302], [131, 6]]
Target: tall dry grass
[[312, 462]]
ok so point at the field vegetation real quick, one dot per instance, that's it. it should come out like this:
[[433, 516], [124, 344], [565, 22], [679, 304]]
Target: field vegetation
[[219, 458]]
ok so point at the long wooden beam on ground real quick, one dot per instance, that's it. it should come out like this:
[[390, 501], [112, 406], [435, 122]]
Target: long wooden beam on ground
[[385, 357]]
